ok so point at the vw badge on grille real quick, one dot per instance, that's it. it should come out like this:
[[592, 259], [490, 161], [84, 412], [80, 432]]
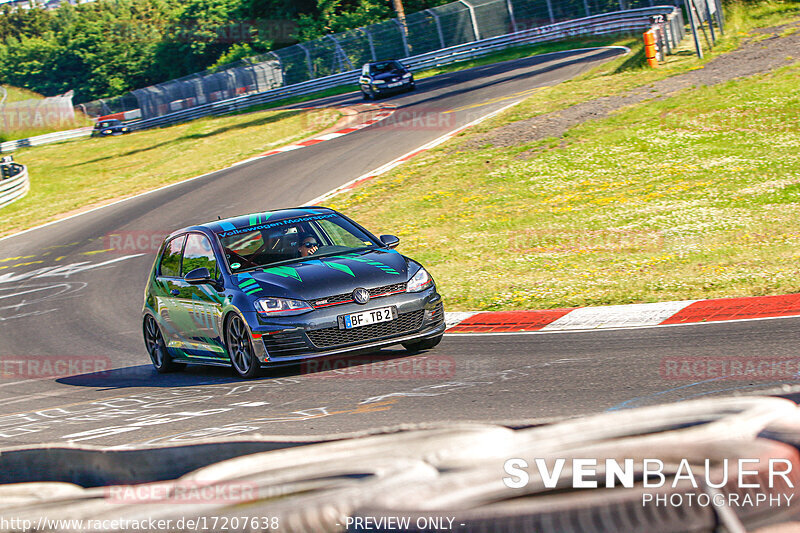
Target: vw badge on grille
[[361, 295]]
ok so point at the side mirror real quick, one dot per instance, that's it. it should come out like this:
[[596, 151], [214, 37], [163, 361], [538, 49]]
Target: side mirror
[[198, 276], [390, 240]]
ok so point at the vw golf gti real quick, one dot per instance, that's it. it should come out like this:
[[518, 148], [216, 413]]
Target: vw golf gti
[[281, 286]]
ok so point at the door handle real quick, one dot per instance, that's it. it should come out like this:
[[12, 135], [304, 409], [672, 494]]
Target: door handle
[[174, 292]]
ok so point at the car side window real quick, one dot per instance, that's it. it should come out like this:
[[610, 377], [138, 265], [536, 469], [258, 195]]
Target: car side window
[[340, 236], [198, 253], [170, 265]]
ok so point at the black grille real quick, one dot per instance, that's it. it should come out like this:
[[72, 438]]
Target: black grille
[[438, 313], [285, 344], [328, 337], [348, 297]]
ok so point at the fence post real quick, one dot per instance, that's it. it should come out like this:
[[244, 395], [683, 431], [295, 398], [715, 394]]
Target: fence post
[[280, 66], [550, 11], [438, 26], [586, 7], [689, 6], [510, 9], [402, 28], [371, 44], [711, 21], [475, 31], [308, 61], [341, 52], [720, 17]]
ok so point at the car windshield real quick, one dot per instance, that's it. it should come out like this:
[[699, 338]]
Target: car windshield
[[291, 240], [386, 66]]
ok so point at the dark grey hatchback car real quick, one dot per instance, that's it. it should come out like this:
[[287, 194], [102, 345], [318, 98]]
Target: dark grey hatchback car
[[385, 77], [281, 286]]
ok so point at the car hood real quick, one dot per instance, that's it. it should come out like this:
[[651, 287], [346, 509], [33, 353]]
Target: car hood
[[326, 276]]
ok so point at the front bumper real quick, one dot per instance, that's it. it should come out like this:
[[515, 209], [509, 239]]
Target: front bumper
[[317, 334], [384, 89]]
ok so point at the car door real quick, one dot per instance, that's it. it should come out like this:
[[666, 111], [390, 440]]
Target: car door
[[201, 304], [168, 286]]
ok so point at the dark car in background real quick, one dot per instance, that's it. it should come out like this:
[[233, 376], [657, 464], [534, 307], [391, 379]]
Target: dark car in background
[[385, 77], [282, 286], [104, 128]]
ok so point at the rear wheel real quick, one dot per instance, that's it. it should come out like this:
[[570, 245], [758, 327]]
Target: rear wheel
[[240, 348], [365, 95], [154, 342], [424, 344]]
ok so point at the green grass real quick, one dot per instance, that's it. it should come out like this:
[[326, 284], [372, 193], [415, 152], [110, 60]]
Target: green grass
[[82, 173], [694, 196], [17, 94]]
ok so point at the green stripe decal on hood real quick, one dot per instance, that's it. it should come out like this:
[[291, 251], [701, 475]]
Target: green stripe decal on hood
[[337, 266], [284, 272]]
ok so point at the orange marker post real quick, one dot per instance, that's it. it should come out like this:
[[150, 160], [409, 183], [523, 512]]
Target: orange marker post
[[650, 48]]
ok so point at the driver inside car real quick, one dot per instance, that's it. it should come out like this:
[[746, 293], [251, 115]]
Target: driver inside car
[[307, 245]]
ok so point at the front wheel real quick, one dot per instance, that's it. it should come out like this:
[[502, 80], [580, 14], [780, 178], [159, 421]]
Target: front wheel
[[154, 342], [424, 344], [240, 348]]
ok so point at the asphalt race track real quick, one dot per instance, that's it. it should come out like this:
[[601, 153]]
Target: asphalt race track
[[63, 298]]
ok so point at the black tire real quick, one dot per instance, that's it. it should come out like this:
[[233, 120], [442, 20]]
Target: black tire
[[240, 348], [365, 95], [157, 349], [424, 344], [411, 87]]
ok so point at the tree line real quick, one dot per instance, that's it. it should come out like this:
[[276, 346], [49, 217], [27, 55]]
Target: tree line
[[109, 47]]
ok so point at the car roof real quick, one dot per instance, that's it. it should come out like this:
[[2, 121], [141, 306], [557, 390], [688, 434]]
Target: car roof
[[384, 61], [244, 221]]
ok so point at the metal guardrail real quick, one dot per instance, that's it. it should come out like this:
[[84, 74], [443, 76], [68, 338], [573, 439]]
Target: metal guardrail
[[16, 186], [617, 22], [10, 146]]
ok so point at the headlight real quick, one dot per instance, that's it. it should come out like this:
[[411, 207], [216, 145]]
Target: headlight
[[406, 75], [282, 306], [378, 82], [421, 281]]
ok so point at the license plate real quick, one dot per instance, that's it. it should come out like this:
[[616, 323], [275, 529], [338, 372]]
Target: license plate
[[365, 318], [395, 84]]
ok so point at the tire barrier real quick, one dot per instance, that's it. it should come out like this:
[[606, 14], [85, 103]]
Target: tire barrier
[[335, 483], [14, 183]]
